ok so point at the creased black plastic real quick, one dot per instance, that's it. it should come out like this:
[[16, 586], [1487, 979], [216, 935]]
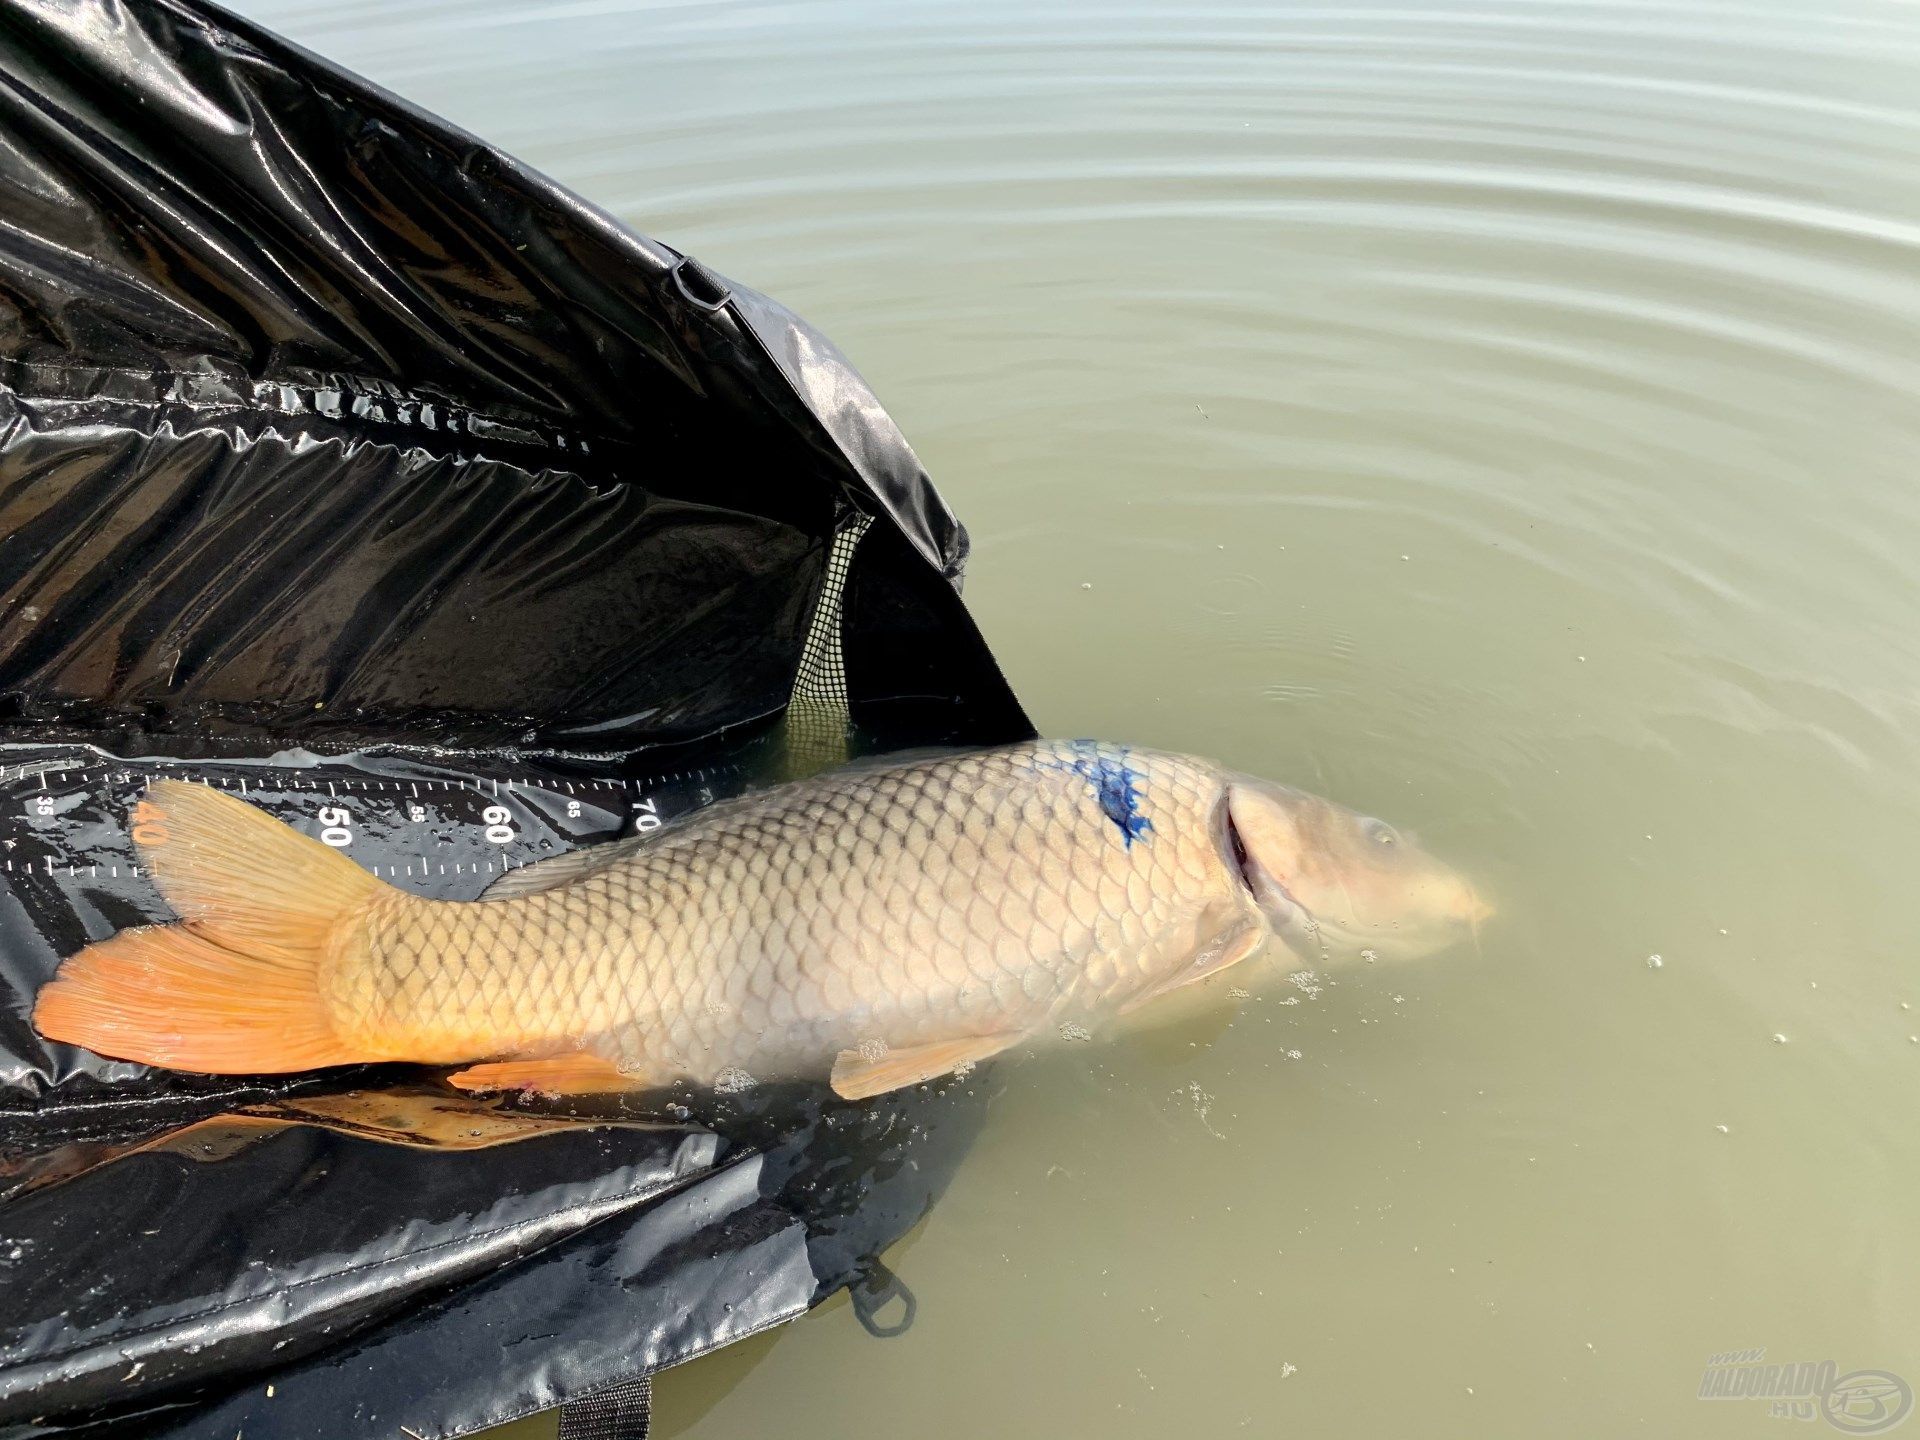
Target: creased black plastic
[[237, 1278], [341, 454], [748, 1246], [446, 414]]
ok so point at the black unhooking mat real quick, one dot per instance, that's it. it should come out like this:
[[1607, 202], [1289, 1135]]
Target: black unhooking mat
[[350, 466]]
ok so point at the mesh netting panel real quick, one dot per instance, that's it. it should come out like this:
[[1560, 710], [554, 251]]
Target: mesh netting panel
[[817, 713]]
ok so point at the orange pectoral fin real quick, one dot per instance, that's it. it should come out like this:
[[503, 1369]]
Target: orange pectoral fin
[[861, 1077], [577, 1073], [1230, 951]]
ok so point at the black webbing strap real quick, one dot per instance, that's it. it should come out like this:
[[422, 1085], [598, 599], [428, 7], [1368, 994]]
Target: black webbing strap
[[624, 1411], [619, 1412]]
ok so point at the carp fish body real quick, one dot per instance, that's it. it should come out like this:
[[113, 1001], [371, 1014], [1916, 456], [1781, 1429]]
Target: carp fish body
[[878, 925]]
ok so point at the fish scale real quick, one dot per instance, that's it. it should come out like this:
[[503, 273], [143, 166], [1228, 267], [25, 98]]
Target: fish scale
[[991, 892]]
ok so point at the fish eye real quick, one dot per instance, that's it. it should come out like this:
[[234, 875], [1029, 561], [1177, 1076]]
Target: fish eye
[[1381, 833]]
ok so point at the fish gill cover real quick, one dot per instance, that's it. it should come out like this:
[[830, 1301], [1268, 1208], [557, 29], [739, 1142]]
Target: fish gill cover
[[351, 466]]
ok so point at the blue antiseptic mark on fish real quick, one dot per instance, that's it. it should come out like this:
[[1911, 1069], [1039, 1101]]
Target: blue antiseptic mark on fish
[[1116, 785]]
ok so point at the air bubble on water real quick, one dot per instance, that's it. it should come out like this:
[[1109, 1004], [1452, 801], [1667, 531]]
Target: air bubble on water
[[963, 1069], [1721, 1128], [1202, 1106], [1398, 999], [733, 1080], [1779, 1039], [1291, 1000], [1291, 1054], [1235, 992], [1073, 1030], [1654, 962], [1287, 1369], [1306, 982], [1369, 956], [872, 1050]]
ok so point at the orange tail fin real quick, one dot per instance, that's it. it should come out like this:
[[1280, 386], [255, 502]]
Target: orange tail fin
[[234, 989]]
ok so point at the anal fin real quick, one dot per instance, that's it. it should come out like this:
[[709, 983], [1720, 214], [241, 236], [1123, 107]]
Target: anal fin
[[576, 1073], [859, 1076]]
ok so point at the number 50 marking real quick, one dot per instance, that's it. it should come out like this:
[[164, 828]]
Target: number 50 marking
[[334, 822]]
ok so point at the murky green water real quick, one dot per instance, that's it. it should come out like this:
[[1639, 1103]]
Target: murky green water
[[1499, 416]]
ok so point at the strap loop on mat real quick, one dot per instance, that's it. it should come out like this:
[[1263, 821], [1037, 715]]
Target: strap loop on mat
[[877, 1288], [620, 1412]]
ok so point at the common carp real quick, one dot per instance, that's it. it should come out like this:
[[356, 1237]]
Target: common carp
[[876, 926]]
